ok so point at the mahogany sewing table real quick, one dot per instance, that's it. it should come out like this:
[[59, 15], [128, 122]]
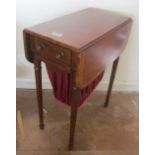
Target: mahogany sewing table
[[76, 49]]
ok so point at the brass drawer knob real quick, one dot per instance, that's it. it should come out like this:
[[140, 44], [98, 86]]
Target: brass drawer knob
[[41, 47], [60, 55]]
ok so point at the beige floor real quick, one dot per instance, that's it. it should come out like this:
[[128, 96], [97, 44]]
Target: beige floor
[[99, 131]]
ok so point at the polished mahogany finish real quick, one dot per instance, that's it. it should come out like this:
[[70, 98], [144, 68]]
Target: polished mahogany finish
[[44, 48], [82, 44], [80, 29], [91, 35], [101, 54]]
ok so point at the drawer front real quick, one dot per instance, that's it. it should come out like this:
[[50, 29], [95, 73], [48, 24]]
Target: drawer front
[[50, 51]]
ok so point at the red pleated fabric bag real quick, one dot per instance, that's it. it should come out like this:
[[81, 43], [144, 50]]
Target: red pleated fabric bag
[[61, 82]]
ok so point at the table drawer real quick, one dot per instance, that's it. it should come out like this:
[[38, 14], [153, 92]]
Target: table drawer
[[50, 51]]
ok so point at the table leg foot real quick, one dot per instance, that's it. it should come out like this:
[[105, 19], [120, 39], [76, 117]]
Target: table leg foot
[[70, 147], [41, 126], [105, 105]]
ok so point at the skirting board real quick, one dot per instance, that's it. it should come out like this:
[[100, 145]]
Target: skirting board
[[118, 85]]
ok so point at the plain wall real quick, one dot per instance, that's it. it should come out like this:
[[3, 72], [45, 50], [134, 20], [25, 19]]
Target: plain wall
[[31, 12]]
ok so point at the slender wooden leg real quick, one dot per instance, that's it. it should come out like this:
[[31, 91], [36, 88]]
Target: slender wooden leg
[[112, 77], [37, 67], [75, 99]]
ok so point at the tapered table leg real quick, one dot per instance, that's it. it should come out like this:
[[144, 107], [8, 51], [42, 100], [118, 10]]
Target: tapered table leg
[[37, 67], [75, 100], [112, 77]]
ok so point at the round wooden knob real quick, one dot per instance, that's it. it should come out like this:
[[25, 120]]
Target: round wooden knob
[[60, 55], [41, 47]]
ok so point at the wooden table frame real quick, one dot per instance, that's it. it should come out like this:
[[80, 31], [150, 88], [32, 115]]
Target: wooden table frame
[[75, 92], [98, 37]]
